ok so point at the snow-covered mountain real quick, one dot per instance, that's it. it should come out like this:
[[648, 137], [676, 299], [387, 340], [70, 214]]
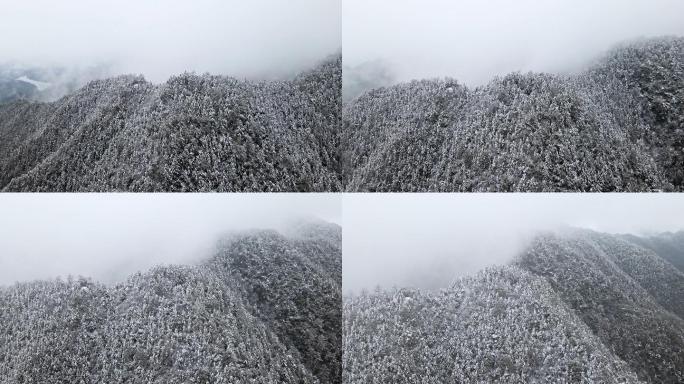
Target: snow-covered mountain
[[192, 133], [574, 307], [265, 308], [617, 126]]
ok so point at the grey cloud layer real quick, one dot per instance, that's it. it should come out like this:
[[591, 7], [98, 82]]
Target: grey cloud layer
[[161, 38], [426, 240], [109, 236], [474, 40]]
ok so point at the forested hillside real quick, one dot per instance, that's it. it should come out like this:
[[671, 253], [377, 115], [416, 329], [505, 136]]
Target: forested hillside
[[266, 308], [617, 126], [575, 307], [667, 245], [629, 296], [193, 133]]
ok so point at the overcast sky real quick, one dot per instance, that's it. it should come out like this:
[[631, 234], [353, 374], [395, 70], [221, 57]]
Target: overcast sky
[[427, 240], [109, 236], [159, 38], [473, 40]]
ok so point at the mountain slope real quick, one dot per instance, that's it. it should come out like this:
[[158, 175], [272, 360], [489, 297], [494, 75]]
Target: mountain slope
[[295, 287], [628, 296], [501, 326], [217, 322], [669, 246], [193, 133], [575, 307], [615, 127], [651, 72]]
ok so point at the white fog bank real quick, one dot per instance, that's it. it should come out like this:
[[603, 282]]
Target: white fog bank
[[160, 38], [110, 236], [475, 40], [427, 240]]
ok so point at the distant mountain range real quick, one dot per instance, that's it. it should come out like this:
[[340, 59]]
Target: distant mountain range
[[16, 83], [15, 89], [575, 307], [193, 133], [266, 308], [20, 82], [365, 76], [617, 126]]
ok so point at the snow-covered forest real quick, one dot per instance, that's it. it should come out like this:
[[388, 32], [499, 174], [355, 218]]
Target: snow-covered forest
[[192, 133], [266, 308], [616, 126], [575, 307]]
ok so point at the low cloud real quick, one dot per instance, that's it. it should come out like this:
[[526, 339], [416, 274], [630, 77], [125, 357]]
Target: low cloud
[[428, 240], [255, 38], [110, 236], [474, 40]]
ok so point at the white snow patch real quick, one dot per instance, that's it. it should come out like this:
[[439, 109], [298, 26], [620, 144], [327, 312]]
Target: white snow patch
[[41, 86]]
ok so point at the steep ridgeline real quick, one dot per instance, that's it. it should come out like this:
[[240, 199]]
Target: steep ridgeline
[[265, 309], [193, 133], [670, 246], [630, 297], [577, 307], [501, 326], [618, 126]]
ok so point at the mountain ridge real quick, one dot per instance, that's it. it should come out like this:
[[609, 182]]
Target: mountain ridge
[[614, 127], [192, 133], [220, 321], [597, 307]]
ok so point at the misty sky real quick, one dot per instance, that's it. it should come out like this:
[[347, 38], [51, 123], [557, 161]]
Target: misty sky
[[426, 240], [159, 38], [473, 40], [110, 236]]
